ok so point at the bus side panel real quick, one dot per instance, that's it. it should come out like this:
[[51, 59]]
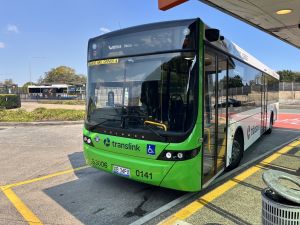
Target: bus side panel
[[250, 123]]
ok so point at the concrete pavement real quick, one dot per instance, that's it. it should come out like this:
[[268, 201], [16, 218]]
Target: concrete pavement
[[238, 200]]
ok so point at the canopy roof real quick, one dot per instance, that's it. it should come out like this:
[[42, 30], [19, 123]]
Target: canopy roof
[[265, 15]]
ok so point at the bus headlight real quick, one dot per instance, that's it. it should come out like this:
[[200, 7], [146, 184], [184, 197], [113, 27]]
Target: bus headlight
[[168, 155], [87, 140]]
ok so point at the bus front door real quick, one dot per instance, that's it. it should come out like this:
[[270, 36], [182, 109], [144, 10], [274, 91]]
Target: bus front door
[[215, 115]]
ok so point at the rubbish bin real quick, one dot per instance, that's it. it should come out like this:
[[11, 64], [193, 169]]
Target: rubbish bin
[[280, 204]]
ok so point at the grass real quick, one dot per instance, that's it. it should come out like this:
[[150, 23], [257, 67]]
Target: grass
[[63, 102], [41, 114]]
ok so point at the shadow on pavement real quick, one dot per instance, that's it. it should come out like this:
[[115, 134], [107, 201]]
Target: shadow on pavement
[[97, 197]]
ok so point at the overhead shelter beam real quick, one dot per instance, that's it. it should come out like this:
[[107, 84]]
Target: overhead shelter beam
[[265, 15]]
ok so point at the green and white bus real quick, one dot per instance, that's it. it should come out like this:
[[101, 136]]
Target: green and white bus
[[174, 104]]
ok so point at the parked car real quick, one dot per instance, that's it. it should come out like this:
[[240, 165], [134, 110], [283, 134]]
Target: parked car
[[231, 103]]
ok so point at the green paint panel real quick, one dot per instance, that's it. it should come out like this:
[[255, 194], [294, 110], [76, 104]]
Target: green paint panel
[[144, 170], [126, 146]]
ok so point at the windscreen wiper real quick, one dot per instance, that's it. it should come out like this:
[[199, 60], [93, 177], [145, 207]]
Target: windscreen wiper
[[154, 131], [105, 120], [126, 116]]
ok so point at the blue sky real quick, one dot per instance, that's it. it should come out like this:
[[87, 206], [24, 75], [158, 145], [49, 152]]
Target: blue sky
[[44, 34]]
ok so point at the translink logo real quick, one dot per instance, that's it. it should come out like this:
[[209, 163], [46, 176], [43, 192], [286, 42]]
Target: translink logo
[[106, 142], [128, 146]]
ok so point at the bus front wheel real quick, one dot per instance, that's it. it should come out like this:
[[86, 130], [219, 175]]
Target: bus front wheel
[[237, 151]]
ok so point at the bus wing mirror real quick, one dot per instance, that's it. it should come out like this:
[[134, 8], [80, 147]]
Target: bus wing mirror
[[212, 34]]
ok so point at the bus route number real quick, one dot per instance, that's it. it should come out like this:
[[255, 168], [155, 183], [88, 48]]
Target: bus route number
[[143, 174]]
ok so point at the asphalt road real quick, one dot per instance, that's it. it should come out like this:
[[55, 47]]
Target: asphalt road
[[86, 196]]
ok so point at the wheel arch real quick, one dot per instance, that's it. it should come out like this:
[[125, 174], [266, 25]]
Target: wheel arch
[[239, 131]]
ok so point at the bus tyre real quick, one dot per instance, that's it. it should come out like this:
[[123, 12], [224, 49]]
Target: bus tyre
[[269, 131], [237, 151]]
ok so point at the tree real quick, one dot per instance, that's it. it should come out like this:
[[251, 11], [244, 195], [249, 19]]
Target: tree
[[235, 81], [62, 75], [8, 82], [25, 86], [289, 76]]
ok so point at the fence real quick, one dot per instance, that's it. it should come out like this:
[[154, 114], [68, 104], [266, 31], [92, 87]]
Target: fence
[[289, 86], [289, 93], [31, 97]]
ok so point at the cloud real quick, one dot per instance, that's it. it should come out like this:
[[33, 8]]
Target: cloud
[[2, 45], [104, 30], [12, 28]]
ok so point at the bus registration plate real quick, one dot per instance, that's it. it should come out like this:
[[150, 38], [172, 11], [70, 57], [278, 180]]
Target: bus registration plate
[[121, 171]]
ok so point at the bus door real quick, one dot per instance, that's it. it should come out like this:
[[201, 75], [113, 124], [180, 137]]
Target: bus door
[[264, 114], [215, 114]]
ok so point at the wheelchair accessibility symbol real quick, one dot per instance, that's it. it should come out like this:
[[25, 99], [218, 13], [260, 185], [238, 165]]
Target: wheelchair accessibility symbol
[[150, 149]]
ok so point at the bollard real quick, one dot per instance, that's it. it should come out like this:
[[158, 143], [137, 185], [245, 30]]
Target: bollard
[[280, 204]]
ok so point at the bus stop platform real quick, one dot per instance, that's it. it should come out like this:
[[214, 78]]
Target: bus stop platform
[[238, 199]]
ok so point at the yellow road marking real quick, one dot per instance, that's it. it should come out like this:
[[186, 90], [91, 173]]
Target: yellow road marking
[[215, 193], [27, 214], [22, 208], [42, 178]]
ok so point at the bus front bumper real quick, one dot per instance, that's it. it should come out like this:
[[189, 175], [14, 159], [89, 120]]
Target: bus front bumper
[[184, 176]]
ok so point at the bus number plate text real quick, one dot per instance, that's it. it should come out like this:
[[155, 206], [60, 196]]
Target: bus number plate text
[[121, 171]]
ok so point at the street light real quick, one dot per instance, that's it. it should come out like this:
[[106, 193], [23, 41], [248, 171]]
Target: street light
[[30, 60]]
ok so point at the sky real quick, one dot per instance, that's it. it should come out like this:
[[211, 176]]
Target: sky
[[38, 35]]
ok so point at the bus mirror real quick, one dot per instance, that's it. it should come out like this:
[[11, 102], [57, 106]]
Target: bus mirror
[[212, 34]]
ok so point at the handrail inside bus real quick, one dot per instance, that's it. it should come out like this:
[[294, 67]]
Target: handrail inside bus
[[156, 124]]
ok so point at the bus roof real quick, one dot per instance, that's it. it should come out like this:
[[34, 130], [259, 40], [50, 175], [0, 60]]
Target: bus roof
[[225, 45], [235, 50]]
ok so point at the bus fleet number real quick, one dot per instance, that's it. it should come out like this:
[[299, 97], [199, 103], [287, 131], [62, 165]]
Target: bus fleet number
[[98, 163], [143, 174]]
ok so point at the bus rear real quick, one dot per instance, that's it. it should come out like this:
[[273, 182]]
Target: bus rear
[[143, 104]]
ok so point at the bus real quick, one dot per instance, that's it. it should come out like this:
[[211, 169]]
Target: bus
[[56, 91], [174, 104]]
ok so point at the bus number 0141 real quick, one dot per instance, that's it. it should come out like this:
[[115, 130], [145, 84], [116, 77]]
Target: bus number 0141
[[140, 173]]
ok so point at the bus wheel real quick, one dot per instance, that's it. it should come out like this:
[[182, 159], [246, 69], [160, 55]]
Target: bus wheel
[[269, 131], [237, 152]]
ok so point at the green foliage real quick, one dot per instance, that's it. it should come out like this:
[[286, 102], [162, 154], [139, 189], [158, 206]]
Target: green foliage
[[25, 86], [10, 101], [63, 75], [8, 82], [41, 114], [63, 102], [235, 81], [19, 115], [289, 76]]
